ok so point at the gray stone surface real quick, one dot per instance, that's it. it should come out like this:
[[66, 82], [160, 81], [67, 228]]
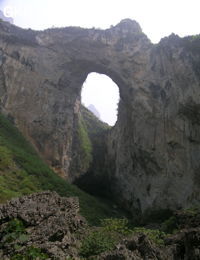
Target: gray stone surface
[[137, 247], [154, 149], [184, 245], [52, 223]]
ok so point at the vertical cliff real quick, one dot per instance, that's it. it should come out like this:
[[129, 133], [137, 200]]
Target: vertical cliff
[[155, 144]]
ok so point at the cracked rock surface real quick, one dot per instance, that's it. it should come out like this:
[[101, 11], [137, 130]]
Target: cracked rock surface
[[50, 222]]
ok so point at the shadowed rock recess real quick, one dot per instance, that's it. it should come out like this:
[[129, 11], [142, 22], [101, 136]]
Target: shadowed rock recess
[[153, 151]]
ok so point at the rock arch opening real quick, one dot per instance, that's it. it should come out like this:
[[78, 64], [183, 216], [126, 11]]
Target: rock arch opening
[[100, 98], [100, 95]]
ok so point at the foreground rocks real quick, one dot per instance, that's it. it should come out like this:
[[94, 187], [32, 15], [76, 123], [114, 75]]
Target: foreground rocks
[[185, 245], [50, 223], [138, 247]]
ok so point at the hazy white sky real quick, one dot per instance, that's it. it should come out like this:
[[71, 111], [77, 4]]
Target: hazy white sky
[[158, 18], [101, 91]]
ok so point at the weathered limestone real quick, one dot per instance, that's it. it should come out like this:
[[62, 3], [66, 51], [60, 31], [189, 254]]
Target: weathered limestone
[[50, 222], [154, 148]]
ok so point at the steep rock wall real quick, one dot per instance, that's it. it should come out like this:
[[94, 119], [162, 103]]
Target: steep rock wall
[[156, 140], [154, 148]]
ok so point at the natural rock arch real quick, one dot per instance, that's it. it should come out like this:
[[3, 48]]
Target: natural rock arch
[[153, 150], [55, 63]]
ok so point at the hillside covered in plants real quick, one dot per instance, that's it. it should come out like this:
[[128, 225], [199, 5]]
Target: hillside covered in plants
[[23, 172]]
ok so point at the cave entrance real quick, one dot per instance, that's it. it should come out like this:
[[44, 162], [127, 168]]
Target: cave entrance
[[101, 96]]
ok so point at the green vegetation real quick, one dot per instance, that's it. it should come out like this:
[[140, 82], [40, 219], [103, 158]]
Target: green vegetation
[[175, 223], [15, 234], [154, 235], [31, 253], [85, 144], [105, 237], [111, 232], [192, 211], [191, 43], [116, 225], [170, 225], [195, 37], [5, 158], [15, 230], [22, 172], [93, 124], [97, 242]]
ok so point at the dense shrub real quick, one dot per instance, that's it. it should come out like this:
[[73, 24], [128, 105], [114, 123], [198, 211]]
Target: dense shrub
[[154, 235], [170, 225], [5, 158], [105, 238], [85, 145], [15, 230], [97, 242], [116, 225], [31, 253]]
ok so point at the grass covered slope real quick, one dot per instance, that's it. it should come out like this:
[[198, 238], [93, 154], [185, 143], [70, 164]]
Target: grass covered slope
[[22, 172]]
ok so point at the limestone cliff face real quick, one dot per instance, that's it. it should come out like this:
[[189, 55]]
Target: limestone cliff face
[[154, 148], [156, 140]]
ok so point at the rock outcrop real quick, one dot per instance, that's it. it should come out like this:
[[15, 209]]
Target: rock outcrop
[[184, 245], [154, 149], [44, 221], [137, 247], [50, 225]]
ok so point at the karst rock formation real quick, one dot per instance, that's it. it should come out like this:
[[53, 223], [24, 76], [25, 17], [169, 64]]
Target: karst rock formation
[[154, 148]]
